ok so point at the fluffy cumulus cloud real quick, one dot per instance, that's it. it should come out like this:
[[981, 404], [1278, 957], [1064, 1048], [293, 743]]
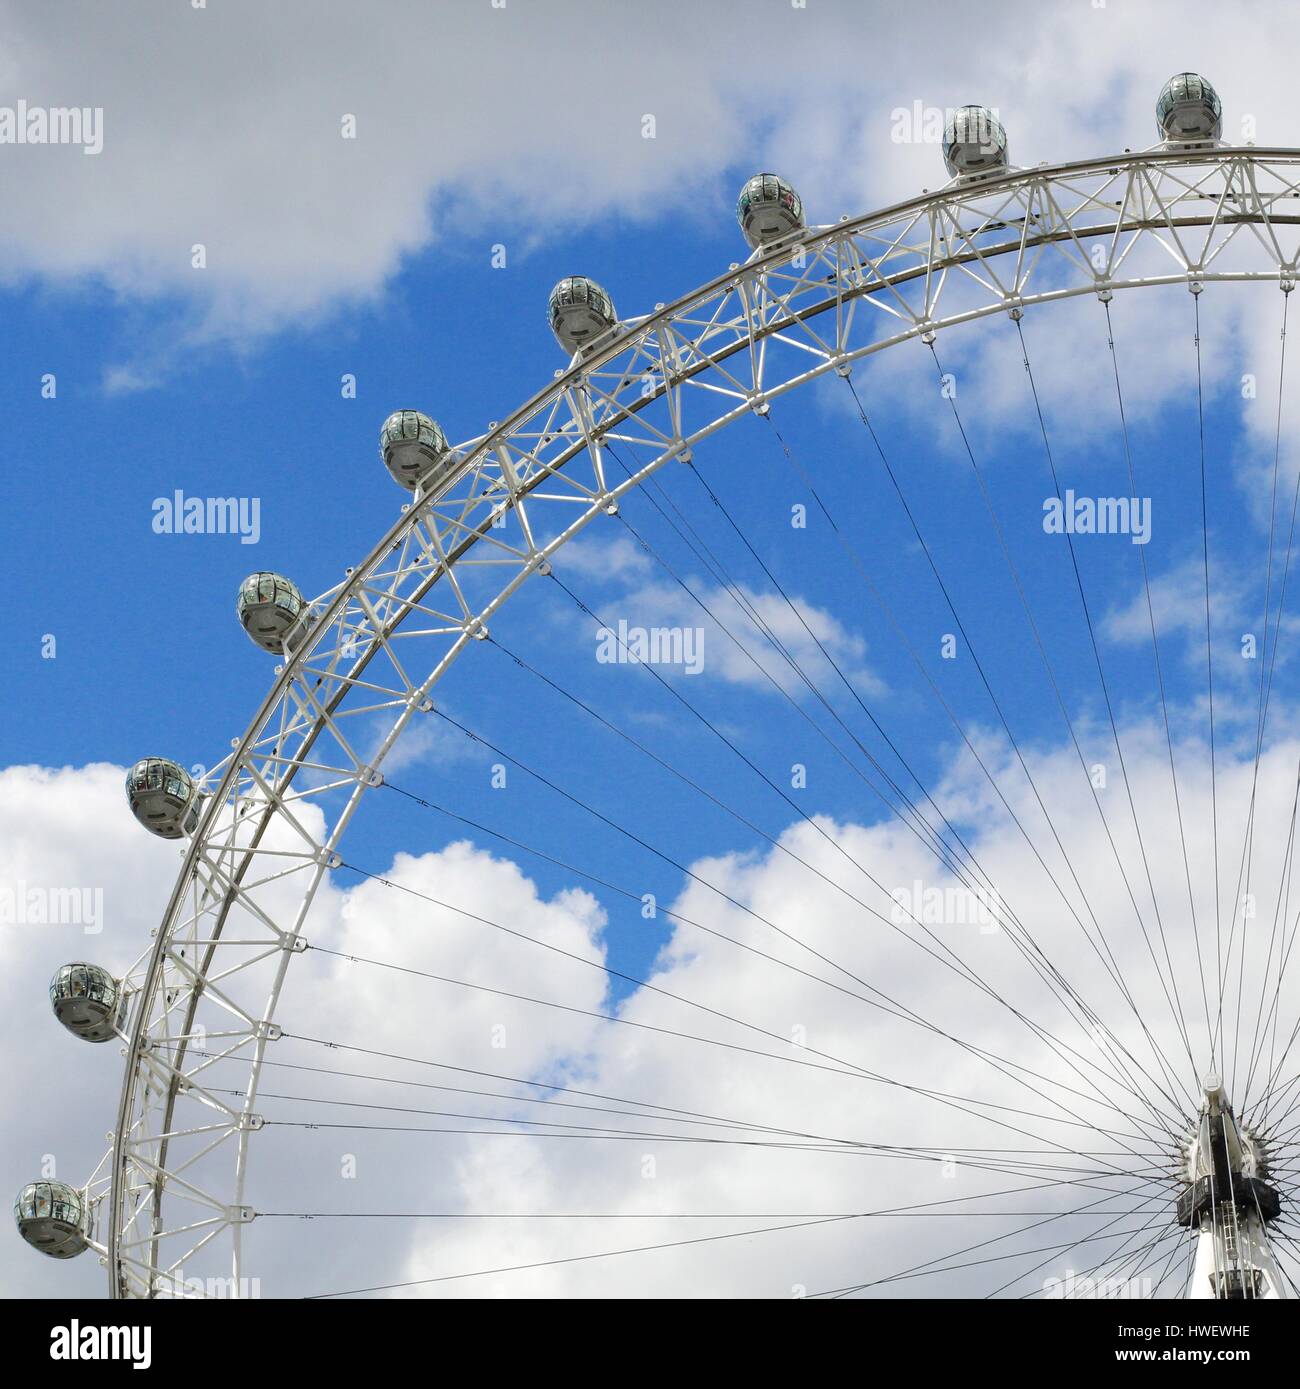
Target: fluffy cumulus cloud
[[227, 128], [828, 1029], [78, 881], [227, 132], [990, 1084]]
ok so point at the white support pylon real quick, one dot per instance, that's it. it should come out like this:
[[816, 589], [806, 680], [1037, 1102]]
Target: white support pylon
[[1230, 1205]]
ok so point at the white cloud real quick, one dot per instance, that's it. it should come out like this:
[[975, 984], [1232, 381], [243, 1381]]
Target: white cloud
[[225, 129], [1178, 605], [752, 1001], [615, 561], [729, 626], [712, 1081]]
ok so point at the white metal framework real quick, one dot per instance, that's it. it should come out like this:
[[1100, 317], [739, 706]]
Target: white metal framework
[[171, 1193]]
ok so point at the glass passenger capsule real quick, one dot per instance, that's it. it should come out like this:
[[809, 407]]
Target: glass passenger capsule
[[163, 797], [88, 1001], [51, 1217], [768, 209], [1188, 109], [272, 611], [414, 448], [579, 311], [974, 142]]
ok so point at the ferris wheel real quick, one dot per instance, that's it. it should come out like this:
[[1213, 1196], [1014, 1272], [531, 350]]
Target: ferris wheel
[[1175, 1142]]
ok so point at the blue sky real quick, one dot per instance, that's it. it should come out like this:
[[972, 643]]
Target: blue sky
[[151, 658], [374, 259]]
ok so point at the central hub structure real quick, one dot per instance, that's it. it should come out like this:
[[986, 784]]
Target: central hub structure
[[1230, 1204]]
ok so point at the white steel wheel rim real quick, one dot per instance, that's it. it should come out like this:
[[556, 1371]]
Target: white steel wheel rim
[[1198, 206]]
